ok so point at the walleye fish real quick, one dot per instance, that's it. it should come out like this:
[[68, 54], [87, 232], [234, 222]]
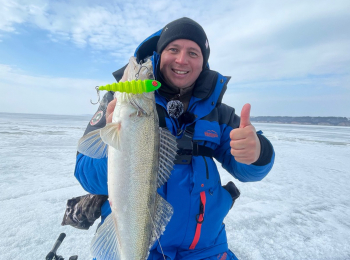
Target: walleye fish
[[140, 159]]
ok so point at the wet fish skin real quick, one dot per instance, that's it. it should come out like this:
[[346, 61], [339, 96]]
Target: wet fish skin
[[140, 159], [132, 174]]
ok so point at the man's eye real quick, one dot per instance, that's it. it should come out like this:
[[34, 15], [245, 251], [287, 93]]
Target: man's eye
[[173, 49], [193, 54]]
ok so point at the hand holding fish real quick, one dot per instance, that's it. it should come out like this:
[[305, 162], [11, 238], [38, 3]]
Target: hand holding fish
[[109, 111], [245, 144]]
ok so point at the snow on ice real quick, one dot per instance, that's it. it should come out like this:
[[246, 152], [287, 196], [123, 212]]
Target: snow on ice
[[301, 210]]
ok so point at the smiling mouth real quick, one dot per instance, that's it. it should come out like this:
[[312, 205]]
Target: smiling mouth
[[180, 72]]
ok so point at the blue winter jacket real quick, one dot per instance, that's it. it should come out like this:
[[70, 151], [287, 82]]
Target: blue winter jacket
[[190, 185]]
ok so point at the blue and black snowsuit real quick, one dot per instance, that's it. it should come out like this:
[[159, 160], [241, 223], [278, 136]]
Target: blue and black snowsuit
[[197, 229]]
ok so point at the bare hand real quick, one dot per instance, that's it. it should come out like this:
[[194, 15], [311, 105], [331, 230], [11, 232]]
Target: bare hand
[[245, 144], [109, 111]]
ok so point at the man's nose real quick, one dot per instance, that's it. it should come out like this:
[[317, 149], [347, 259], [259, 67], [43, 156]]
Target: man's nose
[[181, 57]]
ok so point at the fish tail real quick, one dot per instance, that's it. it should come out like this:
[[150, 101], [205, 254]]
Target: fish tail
[[164, 212], [104, 245]]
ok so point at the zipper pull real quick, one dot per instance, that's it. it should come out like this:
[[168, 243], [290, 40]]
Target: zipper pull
[[201, 213]]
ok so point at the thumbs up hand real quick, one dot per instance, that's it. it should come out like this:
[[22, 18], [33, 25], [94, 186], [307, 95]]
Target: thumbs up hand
[[245, 144]]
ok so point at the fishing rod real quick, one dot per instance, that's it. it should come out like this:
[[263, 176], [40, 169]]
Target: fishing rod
[[52, 254]]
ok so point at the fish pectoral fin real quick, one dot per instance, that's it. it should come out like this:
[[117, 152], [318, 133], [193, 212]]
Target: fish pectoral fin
[[110, 135], [162, 216], [92, 145], [167, 154], [104, 245]]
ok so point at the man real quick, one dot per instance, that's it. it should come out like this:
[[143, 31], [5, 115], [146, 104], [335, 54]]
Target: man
[[205, 129]]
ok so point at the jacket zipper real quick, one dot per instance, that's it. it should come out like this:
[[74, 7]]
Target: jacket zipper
[[206, 167], [206, 164], [199, 220]]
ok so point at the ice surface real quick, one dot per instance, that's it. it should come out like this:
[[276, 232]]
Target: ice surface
[[301, 210], [37, 158]]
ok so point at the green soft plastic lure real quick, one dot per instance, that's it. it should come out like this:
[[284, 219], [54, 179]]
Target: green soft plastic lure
[[133, 86]]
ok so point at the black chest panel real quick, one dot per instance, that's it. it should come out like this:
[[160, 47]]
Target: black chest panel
[[187, 147]]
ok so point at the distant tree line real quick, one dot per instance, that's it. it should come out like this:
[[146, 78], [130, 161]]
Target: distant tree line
[[304, 120]]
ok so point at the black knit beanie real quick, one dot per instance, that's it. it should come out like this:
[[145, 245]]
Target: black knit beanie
[[185, 28]]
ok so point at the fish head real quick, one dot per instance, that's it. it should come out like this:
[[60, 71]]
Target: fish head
[[144, 103], [130, 104], [138, 71]]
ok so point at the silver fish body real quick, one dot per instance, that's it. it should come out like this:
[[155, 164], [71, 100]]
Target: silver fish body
[[140, 159], [132, 175]]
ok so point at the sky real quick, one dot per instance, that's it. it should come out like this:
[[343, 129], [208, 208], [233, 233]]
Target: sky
[[285, 58]]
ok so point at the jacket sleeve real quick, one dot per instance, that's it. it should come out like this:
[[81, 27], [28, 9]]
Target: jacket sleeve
[[90, 172], [243, 172]]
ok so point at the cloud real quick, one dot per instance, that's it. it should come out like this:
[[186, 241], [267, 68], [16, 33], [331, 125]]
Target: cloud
[[17, 77], [264, 45], [294, 39], [249, 31], [11, 14], [23, 93]]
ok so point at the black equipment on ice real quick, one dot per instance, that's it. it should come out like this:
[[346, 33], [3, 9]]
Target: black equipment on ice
[[52, 254]]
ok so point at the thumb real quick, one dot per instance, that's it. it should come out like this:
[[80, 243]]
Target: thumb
[[245, 116]]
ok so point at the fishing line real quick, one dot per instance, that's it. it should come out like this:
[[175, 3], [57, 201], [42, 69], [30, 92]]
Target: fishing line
[[157, 237]]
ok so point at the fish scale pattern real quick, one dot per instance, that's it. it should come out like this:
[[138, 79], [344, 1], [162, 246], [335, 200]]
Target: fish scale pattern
[[140, 158], [135, 200]]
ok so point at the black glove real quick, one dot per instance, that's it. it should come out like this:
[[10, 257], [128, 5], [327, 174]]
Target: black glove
[[81, 212], [233, 190]]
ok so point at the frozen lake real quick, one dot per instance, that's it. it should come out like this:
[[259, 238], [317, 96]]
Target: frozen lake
[[301, 210]]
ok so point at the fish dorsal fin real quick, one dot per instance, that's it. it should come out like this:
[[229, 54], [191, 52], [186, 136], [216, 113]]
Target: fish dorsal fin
[[92, 145], [167, 153], [163, 214], [104, 245]]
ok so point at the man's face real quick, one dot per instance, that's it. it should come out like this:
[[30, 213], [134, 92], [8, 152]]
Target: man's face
[[181, 63]]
